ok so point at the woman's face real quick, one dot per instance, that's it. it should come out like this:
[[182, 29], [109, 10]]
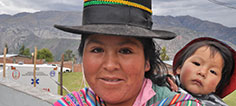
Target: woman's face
[[201, 72], [114, 68]]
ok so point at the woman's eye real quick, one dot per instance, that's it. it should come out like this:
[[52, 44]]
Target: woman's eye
[[213, 72], [97, 50], [125, 51], [196, 63]]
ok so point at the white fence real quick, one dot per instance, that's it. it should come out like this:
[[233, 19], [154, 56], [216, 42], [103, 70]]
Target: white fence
[[46, 75]]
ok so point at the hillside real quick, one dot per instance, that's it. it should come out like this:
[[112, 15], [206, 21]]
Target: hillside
[[36, 29]]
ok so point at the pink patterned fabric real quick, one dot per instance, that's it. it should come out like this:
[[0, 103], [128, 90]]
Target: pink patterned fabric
[[145, 94]]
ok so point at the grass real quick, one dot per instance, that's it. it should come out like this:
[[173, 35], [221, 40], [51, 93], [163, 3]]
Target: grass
[[73, 82]]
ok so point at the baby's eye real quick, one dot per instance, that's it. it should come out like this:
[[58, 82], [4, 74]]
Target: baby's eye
[[125, 51], [97, 50], [213, 72], [196, 63]]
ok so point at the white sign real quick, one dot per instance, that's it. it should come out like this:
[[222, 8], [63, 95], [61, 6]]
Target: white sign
[[45, 74]]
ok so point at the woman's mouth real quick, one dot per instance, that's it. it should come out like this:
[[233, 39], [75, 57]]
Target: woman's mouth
[[111, 81]]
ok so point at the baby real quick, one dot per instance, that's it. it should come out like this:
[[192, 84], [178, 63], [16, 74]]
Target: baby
[[205, 68]]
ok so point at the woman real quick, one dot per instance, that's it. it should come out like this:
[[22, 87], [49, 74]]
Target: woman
[[120, 58]]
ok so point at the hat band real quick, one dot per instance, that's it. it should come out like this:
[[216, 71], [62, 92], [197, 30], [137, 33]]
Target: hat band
[[117, 2], [117, 14]]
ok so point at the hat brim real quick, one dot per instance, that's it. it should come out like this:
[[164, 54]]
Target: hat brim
[[121, 30]]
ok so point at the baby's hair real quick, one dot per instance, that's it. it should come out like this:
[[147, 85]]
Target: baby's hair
[[215, 47]]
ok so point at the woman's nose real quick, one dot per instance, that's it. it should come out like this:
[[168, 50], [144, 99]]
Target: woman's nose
[[111, 62]]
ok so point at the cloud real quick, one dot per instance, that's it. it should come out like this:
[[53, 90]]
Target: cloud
[[16, 6], [9, 7], [182, 7], [203, 9]]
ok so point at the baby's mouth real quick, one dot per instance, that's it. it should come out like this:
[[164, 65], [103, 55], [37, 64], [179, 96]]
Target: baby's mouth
[[197, 82]]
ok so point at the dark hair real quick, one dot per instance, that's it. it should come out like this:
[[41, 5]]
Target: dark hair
[[151, 53], [215, 47]]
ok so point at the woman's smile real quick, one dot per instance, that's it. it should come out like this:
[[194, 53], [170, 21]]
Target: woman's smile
[[111, 80]]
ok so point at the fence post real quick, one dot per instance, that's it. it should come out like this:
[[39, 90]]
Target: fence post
[[4, 63], [61, 72], [35, 60]]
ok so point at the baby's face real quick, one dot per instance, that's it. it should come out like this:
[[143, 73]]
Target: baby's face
[[202, 71]]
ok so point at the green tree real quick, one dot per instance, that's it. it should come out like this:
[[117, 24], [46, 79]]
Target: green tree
[[24, 51], [6, 47], [163, 54], [46, 54], [68, 55], [27, 52]]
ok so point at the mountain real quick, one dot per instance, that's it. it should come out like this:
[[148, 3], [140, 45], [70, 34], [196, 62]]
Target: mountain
[[188, 28], [36, 29], [206, 27]]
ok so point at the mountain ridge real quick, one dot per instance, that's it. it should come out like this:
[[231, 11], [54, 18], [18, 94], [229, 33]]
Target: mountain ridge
[[36, 29]]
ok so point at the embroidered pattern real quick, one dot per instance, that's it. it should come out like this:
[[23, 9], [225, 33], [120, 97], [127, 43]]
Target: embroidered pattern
[[84, 97], [179, 100]]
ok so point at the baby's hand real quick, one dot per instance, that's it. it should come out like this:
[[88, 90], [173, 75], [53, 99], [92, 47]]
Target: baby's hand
[[171, 82]]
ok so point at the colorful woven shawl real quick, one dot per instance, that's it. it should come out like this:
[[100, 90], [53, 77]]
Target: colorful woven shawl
[[86, 97], [179, 100]]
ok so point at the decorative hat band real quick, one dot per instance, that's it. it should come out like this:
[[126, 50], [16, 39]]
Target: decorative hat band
[[123, 15], [117, 2]]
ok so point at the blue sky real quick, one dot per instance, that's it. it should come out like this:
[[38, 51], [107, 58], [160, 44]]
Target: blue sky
[[202, 9]]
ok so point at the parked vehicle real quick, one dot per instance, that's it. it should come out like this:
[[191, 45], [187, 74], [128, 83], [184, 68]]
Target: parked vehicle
[[65, 69]]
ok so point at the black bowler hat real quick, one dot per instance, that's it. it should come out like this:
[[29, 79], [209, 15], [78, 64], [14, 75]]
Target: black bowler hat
[[118, 17]]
